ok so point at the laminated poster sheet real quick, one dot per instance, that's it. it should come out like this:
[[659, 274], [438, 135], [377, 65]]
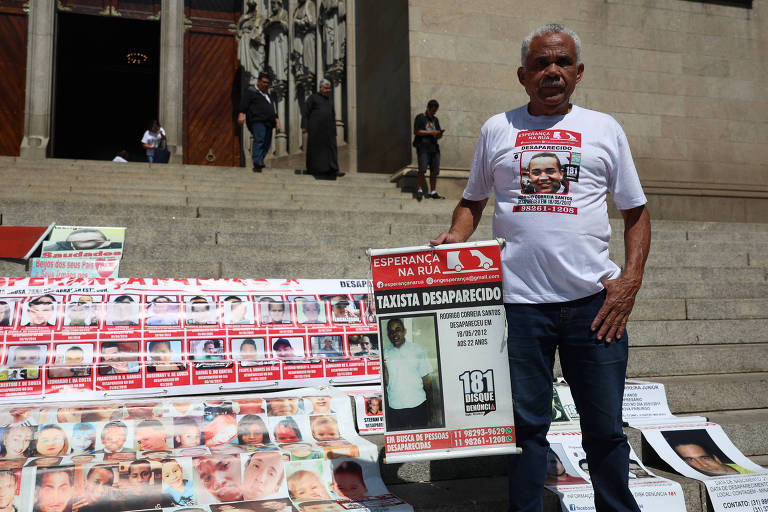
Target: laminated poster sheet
[[369, 408], [645, 403], [67, 242], [701, 450], [445, 371], [568, 470], [94, 338], [289, 451], [568, 477]]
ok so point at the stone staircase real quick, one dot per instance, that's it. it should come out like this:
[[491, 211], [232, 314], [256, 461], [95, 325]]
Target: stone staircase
[[700, 325]]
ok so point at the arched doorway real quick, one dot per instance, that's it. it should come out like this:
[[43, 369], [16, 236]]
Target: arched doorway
[[106, 85]]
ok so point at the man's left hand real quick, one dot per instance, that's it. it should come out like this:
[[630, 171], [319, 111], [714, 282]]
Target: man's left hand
[[612, 318]]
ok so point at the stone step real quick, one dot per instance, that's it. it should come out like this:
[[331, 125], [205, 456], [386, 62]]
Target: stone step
[[309, 216], [697, 332], [13, 268], [704, 226], [703, 289], [471, 495], [206, 269], [136, 173], [353, 243], [242, 232], [748, 429], [26, 213], [712, 309], [201, 189], [243, 269], [696, 394], [665, 275], [649, 362], [680, 257]]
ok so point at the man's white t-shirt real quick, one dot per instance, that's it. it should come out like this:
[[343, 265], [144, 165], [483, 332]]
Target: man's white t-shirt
[[406, 368], [557, 242]]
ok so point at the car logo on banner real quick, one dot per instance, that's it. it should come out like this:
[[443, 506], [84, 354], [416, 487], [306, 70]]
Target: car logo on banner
[[469, 260]]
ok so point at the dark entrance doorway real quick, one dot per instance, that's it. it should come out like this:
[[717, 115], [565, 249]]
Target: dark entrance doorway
[[107, 85]]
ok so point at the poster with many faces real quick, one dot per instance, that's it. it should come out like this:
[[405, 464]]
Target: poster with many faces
[[88, 338], [287, 451]]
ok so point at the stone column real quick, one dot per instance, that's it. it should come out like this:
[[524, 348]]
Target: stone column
[[37, 108], [351, 86], [172, 76], [319, 64], [338, 106], [293, 116]]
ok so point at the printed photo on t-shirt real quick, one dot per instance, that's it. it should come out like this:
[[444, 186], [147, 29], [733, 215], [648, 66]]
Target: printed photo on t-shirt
[[543, 172]]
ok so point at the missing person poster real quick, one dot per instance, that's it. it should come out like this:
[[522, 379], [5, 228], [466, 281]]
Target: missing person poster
[[704, 452], [645, 403], [445, 374], [288, 451], [68, 242], [568, 476], [369, 409], [61, 337]]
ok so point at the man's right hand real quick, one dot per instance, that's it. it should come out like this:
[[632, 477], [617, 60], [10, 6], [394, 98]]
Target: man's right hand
[[445, 238]]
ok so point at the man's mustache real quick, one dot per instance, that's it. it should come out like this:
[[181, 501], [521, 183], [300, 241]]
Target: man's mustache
[[552, 82]]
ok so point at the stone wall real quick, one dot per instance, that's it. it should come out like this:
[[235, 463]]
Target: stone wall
[[683, 77]]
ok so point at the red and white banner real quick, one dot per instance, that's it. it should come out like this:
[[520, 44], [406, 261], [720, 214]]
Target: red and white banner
[[445, 374], [87, 338]]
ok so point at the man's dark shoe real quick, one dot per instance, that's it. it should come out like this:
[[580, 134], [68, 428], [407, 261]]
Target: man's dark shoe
[[419, 195], [340, 174], [258, 167], [435, 195]]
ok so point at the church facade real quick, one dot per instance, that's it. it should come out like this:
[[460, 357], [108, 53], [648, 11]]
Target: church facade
[[685, 78], [88, 76]]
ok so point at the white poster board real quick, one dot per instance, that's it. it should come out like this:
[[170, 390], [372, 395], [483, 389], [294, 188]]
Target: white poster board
[[445, 371], [568, 476], [701, 450]]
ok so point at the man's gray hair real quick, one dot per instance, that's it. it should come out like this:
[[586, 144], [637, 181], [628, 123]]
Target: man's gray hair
[[550, 28], [323, 82]]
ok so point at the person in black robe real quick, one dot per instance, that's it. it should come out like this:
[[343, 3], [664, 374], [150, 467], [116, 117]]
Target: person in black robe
[[320, 124]]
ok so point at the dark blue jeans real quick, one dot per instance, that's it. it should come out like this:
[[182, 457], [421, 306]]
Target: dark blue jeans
[[595, 371], [262, 139], [408, 418]]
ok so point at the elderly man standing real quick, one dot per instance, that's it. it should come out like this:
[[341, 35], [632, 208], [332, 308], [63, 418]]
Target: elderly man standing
[[560, 288], [319, 123]]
